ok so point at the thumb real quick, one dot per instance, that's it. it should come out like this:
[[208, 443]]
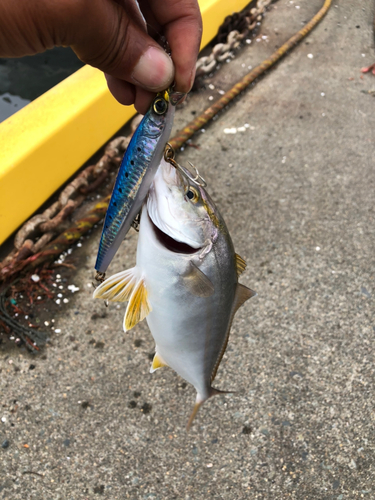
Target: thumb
[[110, 38]]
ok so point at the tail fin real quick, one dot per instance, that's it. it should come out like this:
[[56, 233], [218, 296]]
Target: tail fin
[[199, 402]]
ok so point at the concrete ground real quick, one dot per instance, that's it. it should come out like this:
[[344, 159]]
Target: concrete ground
[[85, 419]]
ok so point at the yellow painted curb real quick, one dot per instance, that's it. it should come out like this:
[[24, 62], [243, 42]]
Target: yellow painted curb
[[43, 144]]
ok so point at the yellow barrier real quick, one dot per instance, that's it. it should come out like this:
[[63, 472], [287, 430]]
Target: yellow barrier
[[43, 144]]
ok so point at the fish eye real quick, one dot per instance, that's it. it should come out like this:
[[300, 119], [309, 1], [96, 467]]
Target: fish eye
[[192, 194], [160, 106]]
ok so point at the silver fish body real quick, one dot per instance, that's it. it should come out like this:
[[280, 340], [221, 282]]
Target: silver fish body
[[189, 274]]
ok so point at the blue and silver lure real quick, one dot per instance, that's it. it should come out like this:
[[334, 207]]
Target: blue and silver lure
[[137, 170]]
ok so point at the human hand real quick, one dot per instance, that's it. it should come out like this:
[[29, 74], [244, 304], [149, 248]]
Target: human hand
[[111, 35]]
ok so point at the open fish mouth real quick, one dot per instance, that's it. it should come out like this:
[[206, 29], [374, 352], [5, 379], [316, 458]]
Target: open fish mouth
[[171, 244]]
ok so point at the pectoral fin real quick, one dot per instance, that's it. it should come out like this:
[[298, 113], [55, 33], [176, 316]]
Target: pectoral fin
[[197, 282], [157, 362], [117, 288], [138, 307]]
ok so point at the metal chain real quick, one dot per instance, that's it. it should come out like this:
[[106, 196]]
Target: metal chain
[[234, 30]]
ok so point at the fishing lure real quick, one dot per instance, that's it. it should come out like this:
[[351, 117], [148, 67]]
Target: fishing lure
[[135, 175]]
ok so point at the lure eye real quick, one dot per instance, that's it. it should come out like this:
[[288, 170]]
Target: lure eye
[[160, 106], [192, 194]]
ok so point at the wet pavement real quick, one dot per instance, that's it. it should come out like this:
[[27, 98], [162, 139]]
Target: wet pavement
[[290, 165]]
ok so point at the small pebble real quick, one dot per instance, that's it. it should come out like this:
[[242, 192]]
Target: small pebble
[[5, 444], [310, 56], [57, 330], [35, 278], [58, 301]]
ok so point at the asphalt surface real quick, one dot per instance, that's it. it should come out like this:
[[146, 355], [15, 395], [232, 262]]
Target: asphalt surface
[[85, 419]]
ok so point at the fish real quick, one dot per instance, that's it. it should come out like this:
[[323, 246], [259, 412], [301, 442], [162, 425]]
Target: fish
[[137, 169], [185, 281]]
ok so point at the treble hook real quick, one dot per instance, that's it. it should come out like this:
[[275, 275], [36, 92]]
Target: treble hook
[[169, 157]]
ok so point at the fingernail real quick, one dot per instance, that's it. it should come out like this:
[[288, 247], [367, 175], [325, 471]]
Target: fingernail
[[154, 70]]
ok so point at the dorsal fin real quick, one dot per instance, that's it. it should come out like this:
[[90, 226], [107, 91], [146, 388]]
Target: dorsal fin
[[138, 307], [197, 282], [241, 296], [240, 264], [157, 363], [117, 288]]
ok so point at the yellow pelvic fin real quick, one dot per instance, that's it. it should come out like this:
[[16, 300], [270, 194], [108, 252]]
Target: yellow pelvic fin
[[138, 307], [240, 264], [117, 288], [157, 362], [197, 282]]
